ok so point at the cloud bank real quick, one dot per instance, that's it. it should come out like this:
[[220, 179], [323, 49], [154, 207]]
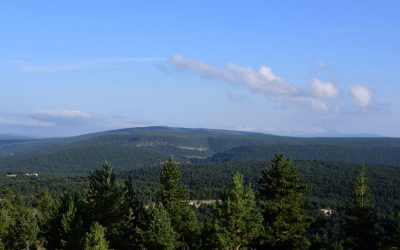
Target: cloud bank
[[318, 94], [66, 122], [47, 118], [62, 118]]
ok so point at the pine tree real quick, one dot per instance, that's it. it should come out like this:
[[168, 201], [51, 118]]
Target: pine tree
[[281, 193], [95, 238], [175, 198], [65, 229], [156, 231], [133, 212], [45, 207], [105, 200], [360, 220], [238, 221]]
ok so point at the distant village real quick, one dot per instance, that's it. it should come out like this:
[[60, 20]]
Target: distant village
[[11, 175]]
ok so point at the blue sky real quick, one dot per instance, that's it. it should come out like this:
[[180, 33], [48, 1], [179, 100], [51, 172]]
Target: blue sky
[[280, 67]]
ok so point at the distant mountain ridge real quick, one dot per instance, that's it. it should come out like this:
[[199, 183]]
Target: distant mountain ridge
[[11, 139], [132, 148], [14, 137]]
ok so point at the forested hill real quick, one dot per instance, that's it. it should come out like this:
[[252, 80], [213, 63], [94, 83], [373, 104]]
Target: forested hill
[[148, 146]]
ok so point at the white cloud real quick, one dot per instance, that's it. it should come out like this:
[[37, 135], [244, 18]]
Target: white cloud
[[63, 117], [246, 129], [362, 96], [323, 96], [25, 122], [73, 119], [323, 89], [64, 114], [204, 70], [262, 80], [89, 64], [64, 122], [47, 118], [266, 82]]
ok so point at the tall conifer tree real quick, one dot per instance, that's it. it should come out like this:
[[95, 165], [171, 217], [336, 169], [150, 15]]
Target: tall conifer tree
[[360, 219], [281, 194], [65, 228], [238, 221], [106, 199], [175, 198], [156, 231], [45, 208]]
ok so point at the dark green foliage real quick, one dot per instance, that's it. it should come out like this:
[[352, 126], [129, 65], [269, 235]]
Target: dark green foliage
[[321, 149], [133, 210], [155, 230], [95, 239], [18, 227], [23, 232], [129, 220], [396, 232], [360, 219], [45, 206], [65, 230], [331, 182], [105, 200], [281, 193], [171, 189], [238, 221], [175, 198], [31, 186], [7, 212]]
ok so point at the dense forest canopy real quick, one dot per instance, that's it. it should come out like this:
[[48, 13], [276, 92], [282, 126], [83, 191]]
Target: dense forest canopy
[[149, 208]]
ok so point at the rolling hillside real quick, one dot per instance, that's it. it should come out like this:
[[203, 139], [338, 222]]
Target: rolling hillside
[[149, 146]]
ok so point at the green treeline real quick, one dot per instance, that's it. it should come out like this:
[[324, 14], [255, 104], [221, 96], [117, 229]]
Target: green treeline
[[272, 213], [330, 182]]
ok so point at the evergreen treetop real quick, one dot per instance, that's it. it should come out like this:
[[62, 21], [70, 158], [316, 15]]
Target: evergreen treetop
[[360, 218], [175, 198], [281, 193], [238, 221], [95, 238]]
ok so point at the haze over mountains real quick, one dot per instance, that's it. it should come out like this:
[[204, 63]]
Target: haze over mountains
[[13, 137], [133, 148]]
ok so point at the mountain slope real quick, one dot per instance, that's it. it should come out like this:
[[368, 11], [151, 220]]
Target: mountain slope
[[368, 154], [148, 146]]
